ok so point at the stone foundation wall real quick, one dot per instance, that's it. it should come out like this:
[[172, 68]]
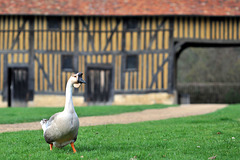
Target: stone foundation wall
[[54, 101], [138, 99], [3, 104], [120, 99]]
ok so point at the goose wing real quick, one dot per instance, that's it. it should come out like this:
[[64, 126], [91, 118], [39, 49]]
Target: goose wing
[[51, 132]]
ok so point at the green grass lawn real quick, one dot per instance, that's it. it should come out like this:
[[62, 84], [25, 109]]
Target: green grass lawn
[[19, 115], [197, 137]]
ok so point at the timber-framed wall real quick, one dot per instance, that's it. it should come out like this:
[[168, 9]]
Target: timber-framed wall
[[156, 42], [27, 41], [204, 31]]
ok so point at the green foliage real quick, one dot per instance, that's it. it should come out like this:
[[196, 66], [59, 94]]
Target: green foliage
[[196, 137], [209, 65], [232, 96], [19, 115]]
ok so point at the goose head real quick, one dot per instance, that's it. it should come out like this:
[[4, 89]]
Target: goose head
[[76, 80]]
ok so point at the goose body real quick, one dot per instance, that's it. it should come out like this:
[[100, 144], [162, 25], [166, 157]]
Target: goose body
[[62, 128]]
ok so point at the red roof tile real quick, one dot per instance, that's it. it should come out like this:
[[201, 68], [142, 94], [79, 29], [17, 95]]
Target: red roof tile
[[121, 7]]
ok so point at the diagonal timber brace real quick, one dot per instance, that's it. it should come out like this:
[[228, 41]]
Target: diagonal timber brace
[[160, 68], [90, 37], [44, 73], [110, 37], [153, 37], [16, 40]]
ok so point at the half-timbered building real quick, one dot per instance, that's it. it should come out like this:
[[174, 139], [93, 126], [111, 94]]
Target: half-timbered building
[[126, 49]]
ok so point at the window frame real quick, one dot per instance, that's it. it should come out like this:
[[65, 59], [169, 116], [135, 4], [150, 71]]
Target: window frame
[[64, 68], [128, 20], [136, 65], [52, 20]]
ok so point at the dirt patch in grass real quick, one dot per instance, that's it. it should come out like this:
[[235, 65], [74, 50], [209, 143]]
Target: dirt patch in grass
[[131, 117]]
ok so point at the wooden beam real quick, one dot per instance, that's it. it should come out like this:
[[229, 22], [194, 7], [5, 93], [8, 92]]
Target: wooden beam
[[31, 60], [5, 78], [16, 40], [44, 73], [178, 45], [76, 45], [172, 61], [90, 37], [123, 57], [109, 39], [153, 37], [160, 68]]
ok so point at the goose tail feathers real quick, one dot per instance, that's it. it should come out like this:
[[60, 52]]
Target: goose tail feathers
[[44, 123]]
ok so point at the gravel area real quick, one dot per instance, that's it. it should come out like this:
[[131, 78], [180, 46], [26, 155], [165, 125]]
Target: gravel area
[[125, 118]]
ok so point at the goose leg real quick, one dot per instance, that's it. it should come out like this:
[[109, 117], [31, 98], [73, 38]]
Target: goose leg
[[72, 145], [51, 145]]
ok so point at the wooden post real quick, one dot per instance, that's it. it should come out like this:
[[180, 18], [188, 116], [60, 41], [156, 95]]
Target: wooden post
[[76, 48], [5, 78], [76, 45], [172, 62], [31, 60], [123, 56]]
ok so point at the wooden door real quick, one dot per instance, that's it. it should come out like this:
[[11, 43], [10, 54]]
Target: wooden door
[[99, 85], [18, 87]]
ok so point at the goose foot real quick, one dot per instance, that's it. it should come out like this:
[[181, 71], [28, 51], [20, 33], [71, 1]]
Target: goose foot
[[51, 145], [72, 145]]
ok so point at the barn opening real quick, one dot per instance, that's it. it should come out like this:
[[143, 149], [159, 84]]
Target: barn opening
[[17, 86], [99, 86], [209, 75]]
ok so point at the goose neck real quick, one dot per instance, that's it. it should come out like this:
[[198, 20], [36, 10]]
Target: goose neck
[[68, 102]]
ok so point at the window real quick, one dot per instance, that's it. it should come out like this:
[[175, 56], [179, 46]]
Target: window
[[132, 23], [54, 22], [67, 63], [132, 62]]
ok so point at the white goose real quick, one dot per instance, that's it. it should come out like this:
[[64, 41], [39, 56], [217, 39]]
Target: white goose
[[62, 128]]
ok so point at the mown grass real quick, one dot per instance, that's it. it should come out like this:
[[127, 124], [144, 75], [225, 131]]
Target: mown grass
[[19, 115], [196, 137]]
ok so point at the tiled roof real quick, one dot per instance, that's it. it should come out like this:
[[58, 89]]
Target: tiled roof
[[121, 7]]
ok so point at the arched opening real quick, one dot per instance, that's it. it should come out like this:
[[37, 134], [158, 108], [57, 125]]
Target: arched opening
[[208, 74]]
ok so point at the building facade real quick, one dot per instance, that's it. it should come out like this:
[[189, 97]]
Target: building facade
[[126, 59]]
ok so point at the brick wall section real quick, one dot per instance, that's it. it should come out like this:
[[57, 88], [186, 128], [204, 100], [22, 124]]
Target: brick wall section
[[121, 7]]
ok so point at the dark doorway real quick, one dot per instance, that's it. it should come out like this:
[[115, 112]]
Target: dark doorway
[[99, 82], [17, 87]]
